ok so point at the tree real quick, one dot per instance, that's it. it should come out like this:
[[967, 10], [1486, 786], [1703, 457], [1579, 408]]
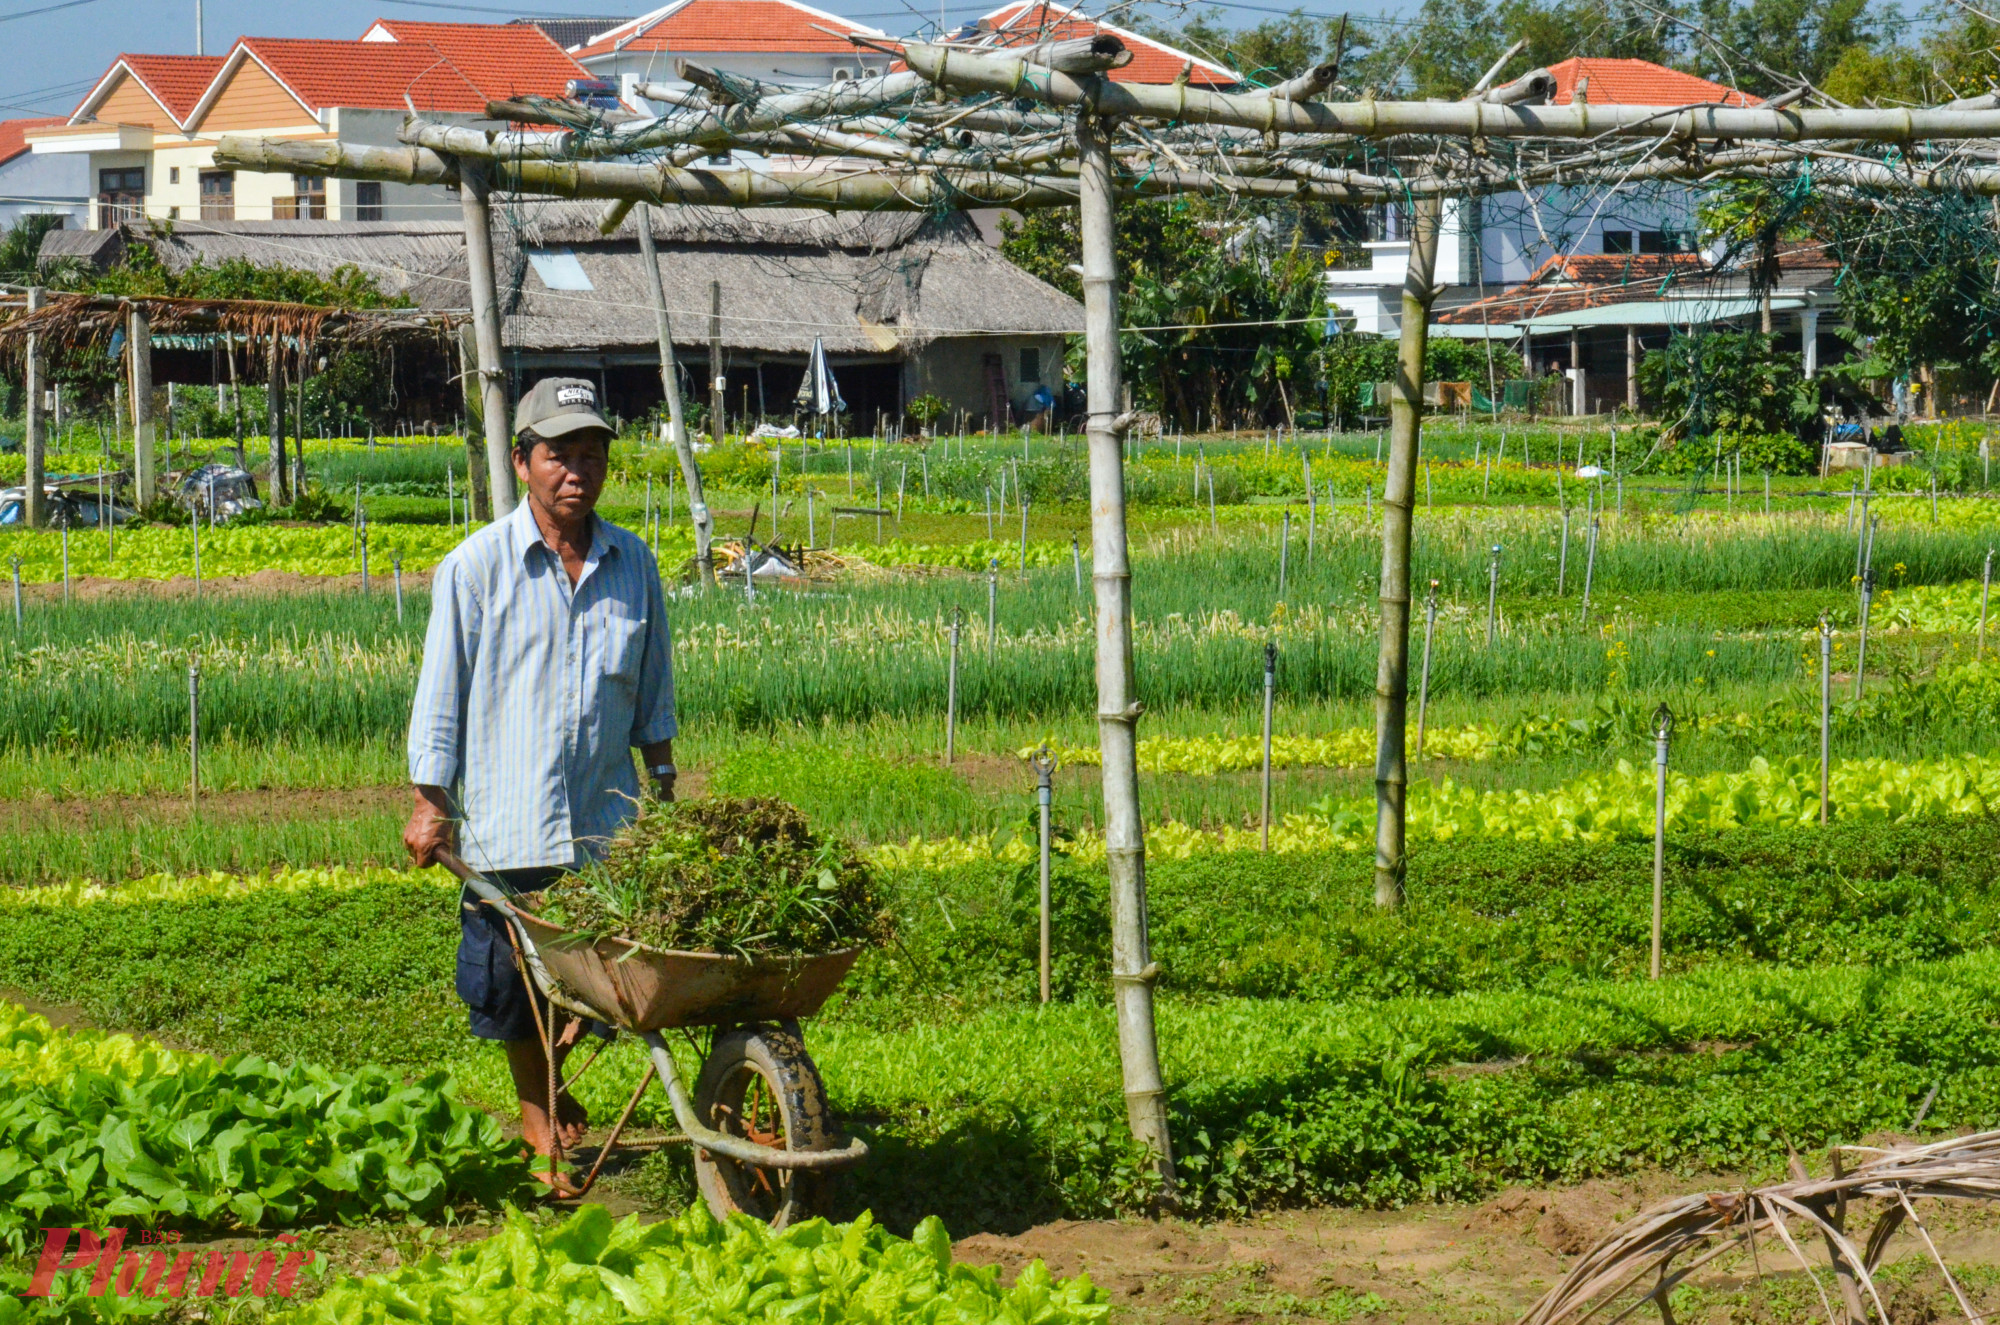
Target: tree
[[1726, 381], [1236, 289]]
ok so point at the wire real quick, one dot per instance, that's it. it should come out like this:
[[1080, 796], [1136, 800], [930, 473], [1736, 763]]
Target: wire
[[45, 9]]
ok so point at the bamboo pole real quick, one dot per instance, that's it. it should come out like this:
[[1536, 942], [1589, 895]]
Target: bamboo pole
[[960, 70], [1132, 968], [475, 200], [670, 383], [1392, 673], [35, 446], [477, 499], [895, 188], [274, 397], [139, 345]]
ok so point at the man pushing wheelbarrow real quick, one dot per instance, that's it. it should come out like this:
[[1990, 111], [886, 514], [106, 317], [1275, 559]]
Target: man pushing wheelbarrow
[[547, 661]]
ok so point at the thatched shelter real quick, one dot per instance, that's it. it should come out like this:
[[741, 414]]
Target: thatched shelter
[[905, 304]]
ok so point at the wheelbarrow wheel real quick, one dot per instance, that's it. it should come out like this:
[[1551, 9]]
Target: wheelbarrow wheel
[[759, 1083]]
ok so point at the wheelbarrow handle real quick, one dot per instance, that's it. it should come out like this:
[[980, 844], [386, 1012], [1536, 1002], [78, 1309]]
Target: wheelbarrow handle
[[481, 886]]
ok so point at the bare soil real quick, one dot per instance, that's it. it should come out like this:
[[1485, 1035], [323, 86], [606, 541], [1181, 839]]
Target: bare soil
[[270, 804], [264, 583]]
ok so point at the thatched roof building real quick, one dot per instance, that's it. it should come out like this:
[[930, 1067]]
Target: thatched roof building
[[905, 304]]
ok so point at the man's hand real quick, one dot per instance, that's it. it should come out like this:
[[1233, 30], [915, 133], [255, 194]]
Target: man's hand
[[431, 828], [659, 754]]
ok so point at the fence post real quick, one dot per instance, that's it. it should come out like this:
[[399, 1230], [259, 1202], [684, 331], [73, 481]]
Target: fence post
[[1270, 690], [951, 690], [17, 594], [1424, 675], [992, 604], [1312, 511], [1663, 732], [1825, 710], [1861, 648], [1985, 593], [1492, 594], [1589, 567], [1076, 562], [65, 556], [364, 558], [397, 563], [1284, 553], [1045, 767], [194, 733], [1562, 561], [1024, 536]]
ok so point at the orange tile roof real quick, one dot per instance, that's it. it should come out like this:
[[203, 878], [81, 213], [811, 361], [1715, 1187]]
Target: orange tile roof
[[1030, 21], [1640, 83], [500, 59], [1569, 282], [775, 26], [176, 81], [373, 75], [14, 134]]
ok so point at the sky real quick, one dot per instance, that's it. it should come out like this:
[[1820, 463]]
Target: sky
[[53, 51]]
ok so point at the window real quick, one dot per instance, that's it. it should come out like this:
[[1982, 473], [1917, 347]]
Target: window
[[306, 203], [1619, 241], [368, 201], [1031, 365], [173, 213], [1662, 241], [121, 195], [173, 174], [218, 195]]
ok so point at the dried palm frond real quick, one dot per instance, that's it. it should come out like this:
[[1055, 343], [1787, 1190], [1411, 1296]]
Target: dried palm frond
[[1647, 1256]]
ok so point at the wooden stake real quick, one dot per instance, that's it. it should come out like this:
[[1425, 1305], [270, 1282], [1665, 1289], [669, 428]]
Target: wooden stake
[[35, 502], [274, 385], [716, 384]]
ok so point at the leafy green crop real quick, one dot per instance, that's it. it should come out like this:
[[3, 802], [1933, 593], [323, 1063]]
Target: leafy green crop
[[589, 1270], [98, 1130]]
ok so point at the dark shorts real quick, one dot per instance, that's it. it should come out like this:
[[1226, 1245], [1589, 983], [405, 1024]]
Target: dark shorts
[[502, 1004]]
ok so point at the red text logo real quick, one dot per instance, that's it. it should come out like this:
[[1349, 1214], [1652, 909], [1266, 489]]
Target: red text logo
[[156, 1273]]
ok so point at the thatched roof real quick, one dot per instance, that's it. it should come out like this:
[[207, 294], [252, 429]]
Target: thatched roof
[[71, 321], [786, 278], [422, 259], [867, 284], [555, 223]]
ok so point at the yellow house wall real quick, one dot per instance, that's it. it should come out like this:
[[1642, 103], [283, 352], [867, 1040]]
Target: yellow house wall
[[129, 103]]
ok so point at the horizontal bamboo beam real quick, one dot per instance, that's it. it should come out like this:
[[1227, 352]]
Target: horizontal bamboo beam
[[707, 126], [961, 71], [833, 190]]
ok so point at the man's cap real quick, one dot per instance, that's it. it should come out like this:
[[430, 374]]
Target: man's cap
[[558, 406]]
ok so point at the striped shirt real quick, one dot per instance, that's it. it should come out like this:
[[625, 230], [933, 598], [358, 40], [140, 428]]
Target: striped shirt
[[533, 692]]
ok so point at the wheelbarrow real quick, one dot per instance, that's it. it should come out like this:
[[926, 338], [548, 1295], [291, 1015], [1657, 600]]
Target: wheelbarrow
[[763, 1134]]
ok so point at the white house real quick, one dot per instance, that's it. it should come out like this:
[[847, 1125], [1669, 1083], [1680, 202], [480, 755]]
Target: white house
[[32, 185], [1490, 243]]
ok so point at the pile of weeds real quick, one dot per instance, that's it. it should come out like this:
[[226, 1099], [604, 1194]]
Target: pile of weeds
[[742, 876]]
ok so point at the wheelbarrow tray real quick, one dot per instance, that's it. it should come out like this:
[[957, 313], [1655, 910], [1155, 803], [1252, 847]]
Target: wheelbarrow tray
[[650, 989]]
